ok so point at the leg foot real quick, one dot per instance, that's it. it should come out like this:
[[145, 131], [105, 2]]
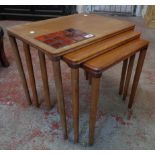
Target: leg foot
[[20, 68], [137, 76], [128, 76], [75, 102], [123, 75], [44, 79], [60, 96], [93, 108]]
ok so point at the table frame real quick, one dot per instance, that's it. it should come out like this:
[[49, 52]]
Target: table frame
[[96, 86], [55, 55]]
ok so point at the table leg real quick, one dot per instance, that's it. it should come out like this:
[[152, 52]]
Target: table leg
[[31, 72], [45, 79], [123, 75], [20, 67], [75, 102], [128, 76], [60, 96], [137, 76], [93, 108]]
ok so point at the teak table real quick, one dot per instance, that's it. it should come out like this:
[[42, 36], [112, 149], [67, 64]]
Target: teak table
[[101, 27]]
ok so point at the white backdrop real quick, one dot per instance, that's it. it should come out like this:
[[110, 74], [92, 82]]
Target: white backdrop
[[140, 9]]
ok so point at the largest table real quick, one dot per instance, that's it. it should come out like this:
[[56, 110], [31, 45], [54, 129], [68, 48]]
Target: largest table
[[100, 26]]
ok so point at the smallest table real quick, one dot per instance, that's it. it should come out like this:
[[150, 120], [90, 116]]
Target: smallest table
[[96, 66]]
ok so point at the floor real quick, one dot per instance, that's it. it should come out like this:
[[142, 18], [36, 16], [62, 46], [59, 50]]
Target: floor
[[26, 127]]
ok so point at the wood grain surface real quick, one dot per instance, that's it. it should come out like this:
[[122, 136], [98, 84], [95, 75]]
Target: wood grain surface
[[100, 26]]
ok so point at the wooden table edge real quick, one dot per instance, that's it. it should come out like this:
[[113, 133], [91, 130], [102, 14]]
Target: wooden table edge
[[54, 55]]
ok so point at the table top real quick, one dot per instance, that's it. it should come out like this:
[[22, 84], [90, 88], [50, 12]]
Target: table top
[[100, 26], [106, 60]]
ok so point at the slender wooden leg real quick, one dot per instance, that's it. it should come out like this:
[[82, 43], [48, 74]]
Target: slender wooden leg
[[93, 108], [60, 96], [3, 58], [20, 67], [75, 102], [31, 73], [137, 76], [45, 79], [123, 75], [128, 76]]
